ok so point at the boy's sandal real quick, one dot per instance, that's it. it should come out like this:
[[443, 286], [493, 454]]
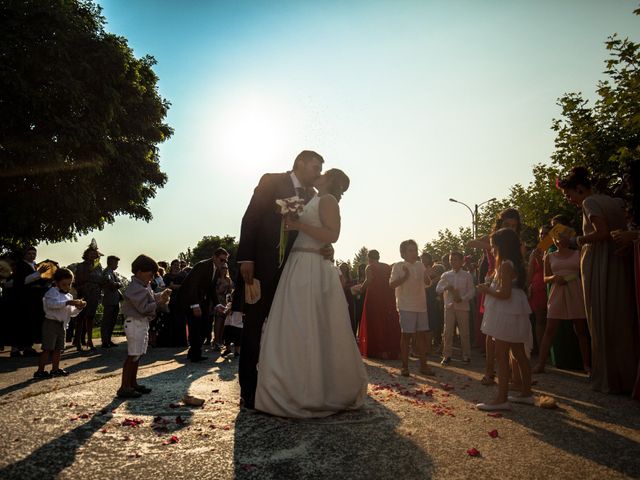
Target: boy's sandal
[[128, 394], [405, 372], [487, 380], [142, 389]]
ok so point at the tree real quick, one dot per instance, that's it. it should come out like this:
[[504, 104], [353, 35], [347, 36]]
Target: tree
[[207, 245], [606, 136], [448, 241], [81, 123], [361, 258]]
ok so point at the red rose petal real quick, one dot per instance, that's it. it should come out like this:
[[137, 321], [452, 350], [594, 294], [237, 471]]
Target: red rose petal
[[495, 415], [473, 452], [173, 439], [493, 433]]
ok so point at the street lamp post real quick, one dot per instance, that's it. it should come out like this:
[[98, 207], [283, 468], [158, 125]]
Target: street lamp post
[[475, 234], [473, 218], [474, 214]]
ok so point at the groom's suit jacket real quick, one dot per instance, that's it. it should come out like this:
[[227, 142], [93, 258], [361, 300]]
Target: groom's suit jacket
[[198, 286], [260, 230]]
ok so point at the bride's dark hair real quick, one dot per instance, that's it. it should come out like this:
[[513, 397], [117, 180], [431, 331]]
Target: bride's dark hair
[[337, 182]]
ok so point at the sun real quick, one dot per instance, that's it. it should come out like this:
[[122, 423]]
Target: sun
[[249, 131]]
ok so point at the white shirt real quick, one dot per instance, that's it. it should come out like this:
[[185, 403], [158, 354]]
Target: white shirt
[[461, 281], [410, 295], [56, 308]]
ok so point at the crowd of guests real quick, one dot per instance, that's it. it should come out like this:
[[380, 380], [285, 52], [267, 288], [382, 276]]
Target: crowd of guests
[[515, 300], [511, 302], [35, 297]]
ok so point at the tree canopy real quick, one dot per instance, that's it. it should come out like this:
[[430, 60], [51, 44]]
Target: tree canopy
[[448, 241], [81, 123], [603, 136], [207, 245]]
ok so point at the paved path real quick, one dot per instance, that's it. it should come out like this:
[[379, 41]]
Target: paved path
[[74, 427]]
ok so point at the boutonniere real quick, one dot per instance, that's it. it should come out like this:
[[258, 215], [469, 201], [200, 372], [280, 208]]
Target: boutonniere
[[287, 206]]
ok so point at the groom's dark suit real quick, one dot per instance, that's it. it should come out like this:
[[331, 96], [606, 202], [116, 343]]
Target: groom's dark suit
[[259, 239], [198, 288]]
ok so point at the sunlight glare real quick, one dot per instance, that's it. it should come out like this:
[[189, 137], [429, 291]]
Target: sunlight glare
[[251, 133]]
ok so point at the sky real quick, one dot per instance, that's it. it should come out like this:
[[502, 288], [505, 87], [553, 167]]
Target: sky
[[417, 101]]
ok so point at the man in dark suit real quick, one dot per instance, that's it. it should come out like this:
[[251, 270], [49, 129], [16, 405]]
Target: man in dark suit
[[258, 255], [197, 292]]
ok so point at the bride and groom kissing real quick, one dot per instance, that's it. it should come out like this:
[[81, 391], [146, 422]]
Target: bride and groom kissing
[[305, 363]]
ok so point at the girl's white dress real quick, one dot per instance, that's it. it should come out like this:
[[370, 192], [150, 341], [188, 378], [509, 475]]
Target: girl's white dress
[[508, 319], [309, 362]]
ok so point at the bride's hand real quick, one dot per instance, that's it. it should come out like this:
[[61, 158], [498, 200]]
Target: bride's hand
[[291, 222]]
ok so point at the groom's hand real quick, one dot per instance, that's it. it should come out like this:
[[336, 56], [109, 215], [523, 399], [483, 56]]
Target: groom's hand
[[246, 270], [327, 252]]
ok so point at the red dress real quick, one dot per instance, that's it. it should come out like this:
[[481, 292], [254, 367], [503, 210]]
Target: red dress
[[538, 297], [379, 335], [636, 251]]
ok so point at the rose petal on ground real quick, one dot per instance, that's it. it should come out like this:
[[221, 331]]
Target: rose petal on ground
[[173, 439], [473, 452], [493, 433], [494, 414]]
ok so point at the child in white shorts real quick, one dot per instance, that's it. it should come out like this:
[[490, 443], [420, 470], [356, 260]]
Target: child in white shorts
[[139, 308], [410, 278]]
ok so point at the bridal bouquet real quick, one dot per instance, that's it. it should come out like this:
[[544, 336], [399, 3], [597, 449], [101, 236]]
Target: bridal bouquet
[[287, 206]]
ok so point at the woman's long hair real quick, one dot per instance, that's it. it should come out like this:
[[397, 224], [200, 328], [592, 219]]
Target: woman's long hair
[[507, 214], [507, 245]]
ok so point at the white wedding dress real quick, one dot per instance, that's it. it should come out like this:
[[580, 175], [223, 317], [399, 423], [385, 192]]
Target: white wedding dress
[[309, 362]]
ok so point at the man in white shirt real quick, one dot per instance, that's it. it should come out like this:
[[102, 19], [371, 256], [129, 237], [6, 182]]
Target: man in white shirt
[[409, 278], [457, 287]]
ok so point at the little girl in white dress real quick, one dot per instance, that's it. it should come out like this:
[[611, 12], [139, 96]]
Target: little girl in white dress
[[506, 319]]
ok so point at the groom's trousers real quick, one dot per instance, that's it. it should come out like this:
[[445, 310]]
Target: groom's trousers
[[250, 352], [196, 337]]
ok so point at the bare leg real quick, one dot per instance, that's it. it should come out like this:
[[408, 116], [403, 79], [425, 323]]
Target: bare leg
[[126, 374], [521, 364], [490, 359], [580, 327], [423, 339], [404, 350], [545, 346], [55, 360], [43, 359], [218, 329], [502, 356]]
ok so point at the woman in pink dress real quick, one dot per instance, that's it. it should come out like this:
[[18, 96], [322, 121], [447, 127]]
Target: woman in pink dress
[[566, 300]]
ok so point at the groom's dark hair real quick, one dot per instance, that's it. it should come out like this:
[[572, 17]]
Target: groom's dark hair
[[306, 156]]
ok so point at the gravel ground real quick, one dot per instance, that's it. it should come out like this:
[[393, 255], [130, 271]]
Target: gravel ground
[[418, 427]]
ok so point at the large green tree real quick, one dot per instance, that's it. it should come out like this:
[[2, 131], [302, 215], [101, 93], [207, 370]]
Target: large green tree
[[81, 121], [448, 241], [207, 245], [603, 135]]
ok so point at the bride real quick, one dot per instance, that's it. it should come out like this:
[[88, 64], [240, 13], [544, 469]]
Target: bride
[[309, 362]]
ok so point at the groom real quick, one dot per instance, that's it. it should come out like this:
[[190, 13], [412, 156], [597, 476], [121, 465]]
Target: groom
[[258, 255]]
